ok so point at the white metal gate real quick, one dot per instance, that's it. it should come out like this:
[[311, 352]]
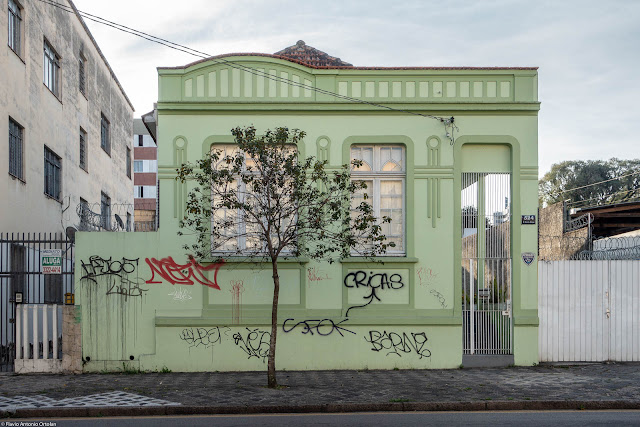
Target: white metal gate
[[589, 311], [486, 263]]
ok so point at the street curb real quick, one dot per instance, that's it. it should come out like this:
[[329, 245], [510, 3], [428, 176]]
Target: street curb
[[137, 411]]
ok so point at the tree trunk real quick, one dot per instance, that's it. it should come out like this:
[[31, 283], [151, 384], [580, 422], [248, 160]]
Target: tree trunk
[[271, 364]]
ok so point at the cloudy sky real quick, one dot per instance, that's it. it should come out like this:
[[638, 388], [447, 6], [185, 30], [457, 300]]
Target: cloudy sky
[[587, 51]]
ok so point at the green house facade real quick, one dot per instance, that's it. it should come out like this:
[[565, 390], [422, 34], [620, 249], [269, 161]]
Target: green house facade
[[460, 287]]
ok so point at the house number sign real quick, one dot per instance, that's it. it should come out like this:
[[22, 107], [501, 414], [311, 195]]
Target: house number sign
[[528, 219]]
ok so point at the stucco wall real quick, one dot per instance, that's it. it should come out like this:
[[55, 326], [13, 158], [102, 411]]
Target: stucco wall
[[554, 243], [56, 121], [141, 307]]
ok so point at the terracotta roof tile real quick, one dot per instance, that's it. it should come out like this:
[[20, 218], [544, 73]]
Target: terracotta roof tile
[[311, 56]]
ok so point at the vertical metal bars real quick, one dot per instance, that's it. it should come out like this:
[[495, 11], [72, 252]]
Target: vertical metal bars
[[486, 263], [20, 271]]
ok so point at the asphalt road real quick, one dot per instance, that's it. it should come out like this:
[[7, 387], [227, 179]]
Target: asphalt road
[[519, 418]]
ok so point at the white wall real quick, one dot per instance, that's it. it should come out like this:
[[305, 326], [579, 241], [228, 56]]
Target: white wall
[[56, 121]]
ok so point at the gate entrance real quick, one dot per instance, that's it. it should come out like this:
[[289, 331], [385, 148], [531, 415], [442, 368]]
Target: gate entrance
[[22, 275], [486, 264]]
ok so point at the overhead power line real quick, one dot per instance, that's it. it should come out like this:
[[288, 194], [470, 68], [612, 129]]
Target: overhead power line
[[194, 52], [596, 183]]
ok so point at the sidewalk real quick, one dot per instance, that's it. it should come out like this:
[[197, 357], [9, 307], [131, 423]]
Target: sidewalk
[[591, 386]]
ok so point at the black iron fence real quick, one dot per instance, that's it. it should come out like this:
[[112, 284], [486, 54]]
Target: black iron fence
[[35, 268]]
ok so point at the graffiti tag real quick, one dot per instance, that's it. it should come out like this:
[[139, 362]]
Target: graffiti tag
[[374, 282], [397, 343], [205, 337], [255, 343], [322, 327], [182, 274], [316, 275]]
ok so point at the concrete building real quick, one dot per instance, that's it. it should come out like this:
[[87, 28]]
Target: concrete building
[[455, 299], [145, 175], [65, 123]]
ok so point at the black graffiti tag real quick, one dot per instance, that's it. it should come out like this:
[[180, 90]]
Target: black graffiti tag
[[116, 273], [255, 343], [322, 327], [374, 282], [397, 343], [98, 267], [440, 297], [206, 337]]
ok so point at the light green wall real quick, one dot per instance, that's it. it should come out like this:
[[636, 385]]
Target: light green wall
[[155, 328]]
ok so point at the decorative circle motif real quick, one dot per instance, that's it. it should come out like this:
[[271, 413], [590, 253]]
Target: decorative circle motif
[[323, 142], [180, 142], [433, 142]]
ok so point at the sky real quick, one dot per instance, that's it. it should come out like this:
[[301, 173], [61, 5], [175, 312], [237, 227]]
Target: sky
[[588, 52]]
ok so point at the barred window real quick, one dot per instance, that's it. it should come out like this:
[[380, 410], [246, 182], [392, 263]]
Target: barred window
[[15, 27], [105, 142], [51, 69], [82, 62], [83, 149], [16, 149], [105, 211], [128, 166], [383, 171], [52, 176]]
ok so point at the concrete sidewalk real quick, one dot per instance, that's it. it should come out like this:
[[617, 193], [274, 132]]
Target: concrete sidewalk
[[591, 386]]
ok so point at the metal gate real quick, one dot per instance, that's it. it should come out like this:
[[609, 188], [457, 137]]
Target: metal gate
[[21, 274], [486, 264]]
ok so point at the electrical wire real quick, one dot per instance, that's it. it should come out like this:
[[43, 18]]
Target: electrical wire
[[595, 183], [185, 49], [604, 196]]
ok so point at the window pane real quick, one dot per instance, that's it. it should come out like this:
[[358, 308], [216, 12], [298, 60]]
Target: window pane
[[15, 149], [366, 155], [391, 159]]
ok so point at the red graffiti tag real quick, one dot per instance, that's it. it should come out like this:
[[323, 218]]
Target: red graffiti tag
[[183, 274]]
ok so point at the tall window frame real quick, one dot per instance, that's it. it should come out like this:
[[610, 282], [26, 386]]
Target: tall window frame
[[15, 27], [128, 165], [51, 69], [105, 210], [16, 149], [82, 74], [248, 240], [105, 137], [384, 171], [52, 174], [83, 150]]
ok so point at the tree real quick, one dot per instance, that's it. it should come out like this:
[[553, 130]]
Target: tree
[[257, 199], [569, 175]]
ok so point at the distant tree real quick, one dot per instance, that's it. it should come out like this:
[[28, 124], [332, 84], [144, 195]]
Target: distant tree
[[261, 201], [574, 174]]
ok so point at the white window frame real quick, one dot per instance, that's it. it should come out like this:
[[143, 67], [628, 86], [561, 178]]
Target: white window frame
[[51, 69], [376, 175], [241, 240], [14, 13]]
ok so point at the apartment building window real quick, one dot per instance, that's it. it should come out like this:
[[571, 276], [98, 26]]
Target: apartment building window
[[383, 171], [128, 162], [137, 166], [140, 140], [52, 175], [105, 211], [85, 214], [82, 65], [51, 69], [105, 142], [83, 149], [16, 149], [15, 27]]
